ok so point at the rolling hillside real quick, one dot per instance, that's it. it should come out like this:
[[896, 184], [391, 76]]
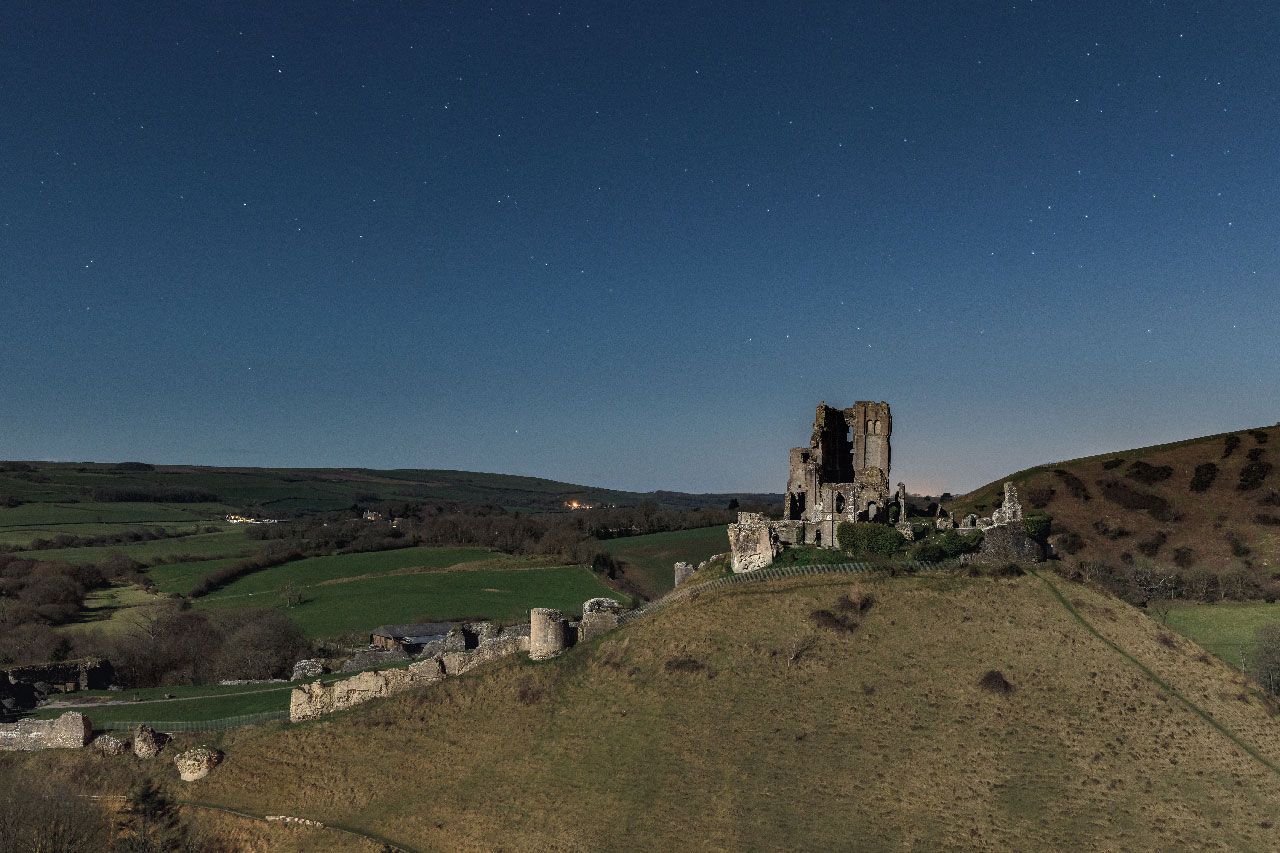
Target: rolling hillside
[[95, 496], [1208, 504], [775, 715]]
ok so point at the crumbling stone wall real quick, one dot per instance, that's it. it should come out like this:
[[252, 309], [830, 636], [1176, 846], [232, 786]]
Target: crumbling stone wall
[[753, 541], [1004, 536], [317, 699], [70, 731], [65, 676], [599, 616]]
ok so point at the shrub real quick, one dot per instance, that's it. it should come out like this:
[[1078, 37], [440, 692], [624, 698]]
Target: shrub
[[1256, 454], [1252, 475], [948, 546], [1151, 547], [1069, 543], [1230, 445], [1272, 499], [1112, 464], [1264, 663], [1259, 435], [1267, 518], [1111, 532], [220, 578], [1184, 558], [1204, 476], [1073, 483], [839, 622], [1038, 526], [1148, 474], [1039, 496], [528, 693], [868, 539], [995, 681], [684, 664], [1130, 498]]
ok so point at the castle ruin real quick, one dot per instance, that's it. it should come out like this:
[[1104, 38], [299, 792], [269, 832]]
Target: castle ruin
[[843, 475]]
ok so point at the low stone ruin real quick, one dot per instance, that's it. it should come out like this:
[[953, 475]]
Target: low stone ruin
[[548, 634], [308, 668], [110, 745], [147, 742], [24, 687], [684, 571], [70, 731], [599, 616], [1004, 537], [196, 763], [318, 699]]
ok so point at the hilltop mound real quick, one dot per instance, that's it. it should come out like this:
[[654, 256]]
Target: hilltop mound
[[1209, 508], [822, 712]]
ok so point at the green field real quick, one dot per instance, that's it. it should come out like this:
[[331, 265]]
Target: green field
[[66, 517], [655, 555], [361, 605], [314, 570], [1228, 629], [115, 608], [205, 702], [181, 577], [227, 543]]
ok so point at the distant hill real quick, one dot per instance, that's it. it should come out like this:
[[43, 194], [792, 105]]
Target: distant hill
[[290, 491], [953, 713], [1209, 504]]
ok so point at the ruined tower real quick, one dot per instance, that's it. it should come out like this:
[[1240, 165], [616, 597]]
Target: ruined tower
[[872, 425], [843, 475]]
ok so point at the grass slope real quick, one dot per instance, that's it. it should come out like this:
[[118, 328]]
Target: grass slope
[[1218, 529], [736, 721], [653, 557]]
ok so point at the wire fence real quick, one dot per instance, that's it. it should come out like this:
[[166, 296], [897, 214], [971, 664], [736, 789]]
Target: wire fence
[[680, 593], [172, 726]]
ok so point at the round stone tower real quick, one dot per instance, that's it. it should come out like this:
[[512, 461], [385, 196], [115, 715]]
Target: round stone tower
[[547, 633]]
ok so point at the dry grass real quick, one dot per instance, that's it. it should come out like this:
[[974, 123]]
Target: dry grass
[[789, 736]]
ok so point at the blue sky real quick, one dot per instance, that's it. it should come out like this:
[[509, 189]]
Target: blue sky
[[633, 245]]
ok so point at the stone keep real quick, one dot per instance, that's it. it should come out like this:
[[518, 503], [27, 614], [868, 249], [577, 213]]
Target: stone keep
[[843, 475]]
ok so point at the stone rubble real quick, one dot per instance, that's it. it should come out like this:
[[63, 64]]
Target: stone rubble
[[147, 742], [196, 763]]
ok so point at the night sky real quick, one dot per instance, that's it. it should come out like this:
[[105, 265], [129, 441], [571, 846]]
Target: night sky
[[634, 244]]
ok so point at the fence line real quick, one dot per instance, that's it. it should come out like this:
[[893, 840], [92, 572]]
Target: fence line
[[775, 572], [193, 725]]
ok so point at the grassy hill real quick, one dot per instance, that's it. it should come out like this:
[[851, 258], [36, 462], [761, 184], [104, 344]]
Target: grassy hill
[[746, 718], [1209, 503]]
